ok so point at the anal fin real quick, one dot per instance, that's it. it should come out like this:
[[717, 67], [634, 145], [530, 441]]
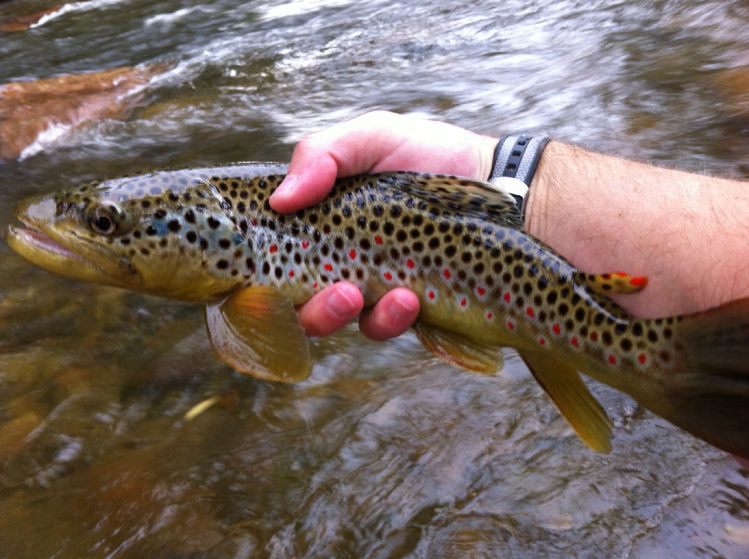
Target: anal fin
[[616, 282], [575, 402], [256, 331], [459, 350]]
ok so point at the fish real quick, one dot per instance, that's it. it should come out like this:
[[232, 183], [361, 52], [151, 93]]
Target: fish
[[209, 236]]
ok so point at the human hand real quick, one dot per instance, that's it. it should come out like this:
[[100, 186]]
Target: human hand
[[374, 142]]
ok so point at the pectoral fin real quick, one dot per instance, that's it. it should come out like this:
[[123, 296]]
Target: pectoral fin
[[458, 350], [616, 282], [577, 405], [256, 331]]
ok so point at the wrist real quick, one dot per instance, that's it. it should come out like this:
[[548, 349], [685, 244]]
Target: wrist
[[485, 156], [539, 204]]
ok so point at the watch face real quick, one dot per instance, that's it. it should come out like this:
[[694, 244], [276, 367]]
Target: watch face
[[510, 185]]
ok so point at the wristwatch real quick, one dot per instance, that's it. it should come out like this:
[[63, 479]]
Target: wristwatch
[[515, 162]]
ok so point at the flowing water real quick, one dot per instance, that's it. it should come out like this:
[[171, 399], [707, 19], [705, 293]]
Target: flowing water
[[383, 452]]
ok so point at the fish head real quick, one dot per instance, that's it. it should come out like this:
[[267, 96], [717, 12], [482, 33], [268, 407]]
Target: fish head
[[144, 234]]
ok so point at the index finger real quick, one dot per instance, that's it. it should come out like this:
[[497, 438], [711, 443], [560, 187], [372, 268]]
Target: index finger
[[345, 149]]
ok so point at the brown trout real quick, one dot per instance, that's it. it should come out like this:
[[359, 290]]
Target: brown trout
[[210, 236]]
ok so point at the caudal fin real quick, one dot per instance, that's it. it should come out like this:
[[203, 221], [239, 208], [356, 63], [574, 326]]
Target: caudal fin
[[708, 393]]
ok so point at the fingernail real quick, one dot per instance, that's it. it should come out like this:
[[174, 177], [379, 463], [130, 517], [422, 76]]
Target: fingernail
[[287, 186], [343, 302]]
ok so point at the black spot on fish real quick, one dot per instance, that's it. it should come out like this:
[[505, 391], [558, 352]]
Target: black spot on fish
[[213, 223], [191, 236], [174, 225]]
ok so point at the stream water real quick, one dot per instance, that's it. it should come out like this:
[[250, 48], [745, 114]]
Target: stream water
[[383, 452]]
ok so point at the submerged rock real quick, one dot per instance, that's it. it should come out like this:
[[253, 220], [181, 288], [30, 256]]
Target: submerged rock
[[733, 85], [33, 110], [24, 22]]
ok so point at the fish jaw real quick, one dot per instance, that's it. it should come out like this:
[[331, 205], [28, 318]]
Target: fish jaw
[[49, 241]]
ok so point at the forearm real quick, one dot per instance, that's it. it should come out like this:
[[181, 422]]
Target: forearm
[[688, 233]]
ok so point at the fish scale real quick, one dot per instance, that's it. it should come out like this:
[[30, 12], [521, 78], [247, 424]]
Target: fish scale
[[210, 236]]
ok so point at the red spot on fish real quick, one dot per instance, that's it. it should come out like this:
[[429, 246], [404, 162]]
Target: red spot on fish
[[506, 297], [510, 325], [556, 329], [291, 273], [447, 273], [410, 263], [352, 254], [574, 341], [431, 295], [529, 311], [642, 358], [388, 276], [541, 341], [612, 360], [305, 244], [463, 302], [378, 240], [273, 248], [620, 274], [254, 222], [328, 267], [594, 336], [315, 285], [642, 280], [480, 290], [489, 315]]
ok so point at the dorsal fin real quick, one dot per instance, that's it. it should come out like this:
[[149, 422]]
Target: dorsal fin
[[468, 196]]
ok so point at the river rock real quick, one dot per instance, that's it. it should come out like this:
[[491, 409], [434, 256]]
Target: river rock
[[30, 108], [22, 23]]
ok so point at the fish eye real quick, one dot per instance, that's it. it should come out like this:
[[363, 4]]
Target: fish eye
[[106, 219]]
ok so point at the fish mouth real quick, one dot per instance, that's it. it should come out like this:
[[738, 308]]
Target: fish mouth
[[38, 241], [60, 250]]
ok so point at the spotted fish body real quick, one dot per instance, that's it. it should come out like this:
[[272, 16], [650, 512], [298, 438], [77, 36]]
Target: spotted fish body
[[209, 235]]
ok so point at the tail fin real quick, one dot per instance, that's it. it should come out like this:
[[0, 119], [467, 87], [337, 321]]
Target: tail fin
[[708, 394]]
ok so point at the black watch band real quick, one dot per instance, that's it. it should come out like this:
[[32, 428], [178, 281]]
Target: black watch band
[[517, 157]]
